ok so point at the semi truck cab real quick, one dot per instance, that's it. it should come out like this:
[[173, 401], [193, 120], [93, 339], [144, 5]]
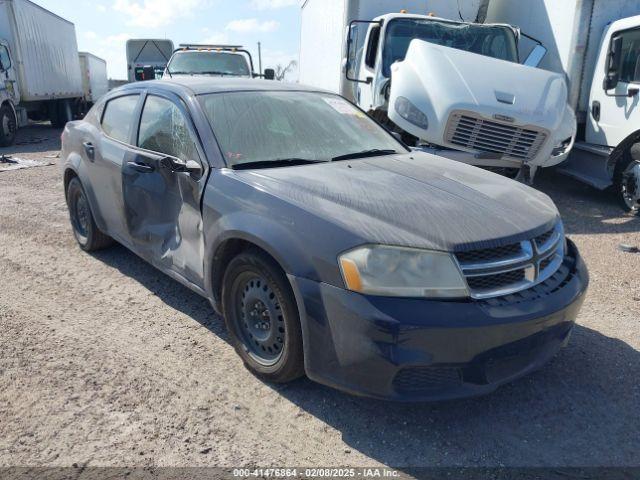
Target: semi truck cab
[[10, 117], [608, 154], [458, 89]]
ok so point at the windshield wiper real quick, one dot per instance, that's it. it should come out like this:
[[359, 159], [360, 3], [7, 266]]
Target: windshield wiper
[[215, 72], [374, 152], [279, 162]]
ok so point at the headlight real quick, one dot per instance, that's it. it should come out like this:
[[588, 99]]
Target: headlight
[[402, 272], [562, 147], [411, 113]]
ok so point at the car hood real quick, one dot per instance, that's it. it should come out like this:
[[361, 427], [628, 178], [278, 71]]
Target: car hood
[[414, 199]]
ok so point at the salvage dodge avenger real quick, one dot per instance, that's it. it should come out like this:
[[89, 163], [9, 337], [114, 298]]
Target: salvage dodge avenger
[[329, 247]]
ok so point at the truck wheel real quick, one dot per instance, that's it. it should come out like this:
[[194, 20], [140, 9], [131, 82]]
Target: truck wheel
[[60, 113], [262, 317], [8, 126], [87, 233], [627, 179]]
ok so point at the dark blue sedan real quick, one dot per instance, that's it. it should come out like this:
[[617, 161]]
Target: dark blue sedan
[[330, 248]]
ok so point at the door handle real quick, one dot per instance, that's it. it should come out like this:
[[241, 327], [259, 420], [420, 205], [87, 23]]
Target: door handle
[[90, 150], [140, 167]]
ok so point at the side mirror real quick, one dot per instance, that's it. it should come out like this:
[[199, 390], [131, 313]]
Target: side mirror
[[614, 60], [179, 166], [536, 56], [269, 74]]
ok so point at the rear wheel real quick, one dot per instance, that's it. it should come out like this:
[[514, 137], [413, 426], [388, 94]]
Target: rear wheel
[[87, 233], [8, 126], [262, 317], [627, 179]]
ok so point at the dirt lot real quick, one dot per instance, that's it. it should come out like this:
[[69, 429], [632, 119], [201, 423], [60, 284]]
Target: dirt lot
[[106, 361]]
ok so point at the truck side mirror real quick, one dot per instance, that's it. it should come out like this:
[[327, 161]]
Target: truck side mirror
[[269, 74], [614, 60], [536, 56]]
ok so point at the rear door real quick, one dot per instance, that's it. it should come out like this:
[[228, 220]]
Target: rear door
[[162, 206], [104, 156]]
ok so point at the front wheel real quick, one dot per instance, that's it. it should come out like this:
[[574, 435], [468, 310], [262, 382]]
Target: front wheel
[[262, 318], [87, 233], [8, 126], [627, 180]]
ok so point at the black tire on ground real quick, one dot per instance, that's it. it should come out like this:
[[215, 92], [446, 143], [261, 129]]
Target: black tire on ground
[[85, 230], [626, 179], [8, 126], [262, 317]]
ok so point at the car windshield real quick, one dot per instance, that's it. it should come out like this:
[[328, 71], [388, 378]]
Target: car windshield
[[490, 40], [209, 63], [272, 126]]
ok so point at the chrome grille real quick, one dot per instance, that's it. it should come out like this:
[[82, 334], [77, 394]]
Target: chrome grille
[[512, 268], [474, 132]]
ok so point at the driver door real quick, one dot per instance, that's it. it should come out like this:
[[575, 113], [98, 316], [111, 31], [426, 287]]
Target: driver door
[[161, 205], [614, 115]]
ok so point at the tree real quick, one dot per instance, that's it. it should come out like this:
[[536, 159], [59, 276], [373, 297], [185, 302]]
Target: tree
[[281, 72]]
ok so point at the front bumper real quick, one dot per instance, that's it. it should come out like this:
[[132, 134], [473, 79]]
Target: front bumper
[[415, 349]]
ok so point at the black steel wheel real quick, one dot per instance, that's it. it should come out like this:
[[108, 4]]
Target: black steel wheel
[[85, 230], [627, 179], [262, 317]]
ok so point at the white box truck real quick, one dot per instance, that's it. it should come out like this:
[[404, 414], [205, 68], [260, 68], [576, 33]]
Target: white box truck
[[95, 82], [596, 44], [39, 67], [147, 58], [442, 79]]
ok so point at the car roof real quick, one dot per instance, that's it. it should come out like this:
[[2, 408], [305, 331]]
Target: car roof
[[203, 85]]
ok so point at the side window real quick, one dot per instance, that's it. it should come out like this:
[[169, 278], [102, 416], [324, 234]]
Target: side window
[[118, 117], [163, 129], [5, 58], [372, 47], [630, 71]]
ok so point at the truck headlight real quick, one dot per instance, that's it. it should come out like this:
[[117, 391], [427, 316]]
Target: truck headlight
[[402, 272], [562, 147], [411, 113]]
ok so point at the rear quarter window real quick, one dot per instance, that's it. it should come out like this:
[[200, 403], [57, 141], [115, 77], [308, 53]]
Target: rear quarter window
[[117, 118]]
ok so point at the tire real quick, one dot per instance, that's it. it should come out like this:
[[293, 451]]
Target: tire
[[627, 179], [8, 126], [85, 230], [60, 113], [262, 317]]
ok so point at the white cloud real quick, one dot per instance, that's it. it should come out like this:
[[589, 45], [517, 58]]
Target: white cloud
[[213, 37], [101, 8], [89, 35], [273, 4], [248, 25], [155, 13]]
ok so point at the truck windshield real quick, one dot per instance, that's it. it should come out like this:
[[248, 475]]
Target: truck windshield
[[274, 128], [489, 40], [209, 63]]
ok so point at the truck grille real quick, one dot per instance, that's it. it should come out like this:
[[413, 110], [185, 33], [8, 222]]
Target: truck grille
[[512, 268], [476, 133]]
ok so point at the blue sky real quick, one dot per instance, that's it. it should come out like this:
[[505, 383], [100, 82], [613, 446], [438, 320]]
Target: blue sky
[[103, 26]]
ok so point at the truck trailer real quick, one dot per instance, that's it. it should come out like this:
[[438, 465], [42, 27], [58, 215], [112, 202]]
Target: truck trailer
[[39, 66], [441, 78], [596, 45], [95, 82], [147, 58]]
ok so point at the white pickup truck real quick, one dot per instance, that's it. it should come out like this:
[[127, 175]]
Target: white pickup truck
[[454, 88]]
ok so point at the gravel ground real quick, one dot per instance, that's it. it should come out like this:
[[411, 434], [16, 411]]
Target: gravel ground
[[106, 361]]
